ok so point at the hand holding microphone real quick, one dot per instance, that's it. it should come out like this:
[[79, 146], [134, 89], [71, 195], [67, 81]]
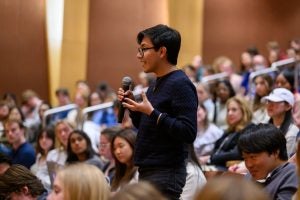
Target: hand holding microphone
[[144, 106], [126, 82]]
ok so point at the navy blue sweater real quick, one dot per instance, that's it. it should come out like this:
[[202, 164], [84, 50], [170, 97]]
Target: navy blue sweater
[[164, 143]]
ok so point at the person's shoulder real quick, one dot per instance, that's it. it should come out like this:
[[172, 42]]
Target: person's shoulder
[[51, 154], [215, 128], [27, 147], [291, 166]]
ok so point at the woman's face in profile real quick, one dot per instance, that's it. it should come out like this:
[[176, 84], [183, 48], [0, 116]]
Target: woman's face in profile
[[57, 191]]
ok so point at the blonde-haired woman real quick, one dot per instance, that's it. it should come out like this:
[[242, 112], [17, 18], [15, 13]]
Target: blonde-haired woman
[[238, 117], [231, 188], [80, 181], [57, 157]]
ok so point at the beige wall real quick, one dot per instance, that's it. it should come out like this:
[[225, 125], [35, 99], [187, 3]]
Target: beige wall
[[75, 43], [187, 17]]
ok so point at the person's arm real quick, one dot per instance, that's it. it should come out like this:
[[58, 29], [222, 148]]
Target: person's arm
[[222, 156]]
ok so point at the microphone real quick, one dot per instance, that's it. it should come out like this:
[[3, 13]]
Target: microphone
[[126, 82]]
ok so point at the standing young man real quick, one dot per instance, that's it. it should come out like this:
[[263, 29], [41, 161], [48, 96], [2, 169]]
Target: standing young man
[[166, 117], [263, 147]]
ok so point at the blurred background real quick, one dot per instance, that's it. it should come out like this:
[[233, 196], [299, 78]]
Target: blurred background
[[47, 44]]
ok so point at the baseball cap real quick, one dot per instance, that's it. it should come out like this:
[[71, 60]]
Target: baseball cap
[[280, 94]]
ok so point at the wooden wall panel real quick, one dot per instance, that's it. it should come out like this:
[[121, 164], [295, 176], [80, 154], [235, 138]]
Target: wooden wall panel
[[23, 47], [112, 37], [231, 26]]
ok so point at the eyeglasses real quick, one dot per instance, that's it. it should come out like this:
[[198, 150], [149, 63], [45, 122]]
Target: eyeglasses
[[142, 50], [103, 145]]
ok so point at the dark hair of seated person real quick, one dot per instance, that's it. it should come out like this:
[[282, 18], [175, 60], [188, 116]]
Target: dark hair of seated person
[[263, 138], [20, 180]]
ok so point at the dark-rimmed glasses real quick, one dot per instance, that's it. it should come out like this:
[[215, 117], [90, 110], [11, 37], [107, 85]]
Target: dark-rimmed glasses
[[141, 50]]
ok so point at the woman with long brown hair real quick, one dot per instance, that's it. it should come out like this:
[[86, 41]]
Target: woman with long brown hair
[[122, 149]]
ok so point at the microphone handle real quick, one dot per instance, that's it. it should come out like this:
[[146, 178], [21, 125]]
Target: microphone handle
[[121, 113], [121, 108]]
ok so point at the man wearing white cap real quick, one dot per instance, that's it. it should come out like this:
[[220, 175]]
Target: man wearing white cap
[[279, 107]]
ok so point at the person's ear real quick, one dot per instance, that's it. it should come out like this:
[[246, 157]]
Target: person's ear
[[25, 190], [288, 107], [163, 52], [276, 153]]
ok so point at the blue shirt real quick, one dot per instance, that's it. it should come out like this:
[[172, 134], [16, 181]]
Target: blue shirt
[[24, 155]]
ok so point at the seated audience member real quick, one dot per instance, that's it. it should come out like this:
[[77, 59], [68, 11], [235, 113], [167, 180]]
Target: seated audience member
[[16, 114], [4, 113], [19, 183], [190, 72], [195, 178], [122, 148], [103, 117], [296, 116], [63, 98], [138, 191], [22, 152], [205, 98], [62, 132], [80, 150], [105, 150], [75, 116], [5, 163], [225, 64], [259, 62], [297, 161], [106, 92], [246, 67], [275, 52], [286, 79], [224, 91], [231, 188], [207, 133], [30, 107], [10, 99], [263, 86], [238, 117], [279, 106], [42, 109], [45, 143], [83, 87], [57, 157], [145, 80], [79, 181], [263, 147]]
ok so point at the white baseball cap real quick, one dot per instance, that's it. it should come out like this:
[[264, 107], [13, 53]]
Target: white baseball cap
[[280, 94]]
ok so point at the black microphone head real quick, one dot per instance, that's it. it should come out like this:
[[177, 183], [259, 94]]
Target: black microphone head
[[126, 81]]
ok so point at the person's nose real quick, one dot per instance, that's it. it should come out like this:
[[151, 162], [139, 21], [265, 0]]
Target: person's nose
[[138, 55], [117, 151], [248, 164]]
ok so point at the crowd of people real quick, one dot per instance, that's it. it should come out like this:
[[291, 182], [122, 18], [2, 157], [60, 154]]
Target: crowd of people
[[179, 132]]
